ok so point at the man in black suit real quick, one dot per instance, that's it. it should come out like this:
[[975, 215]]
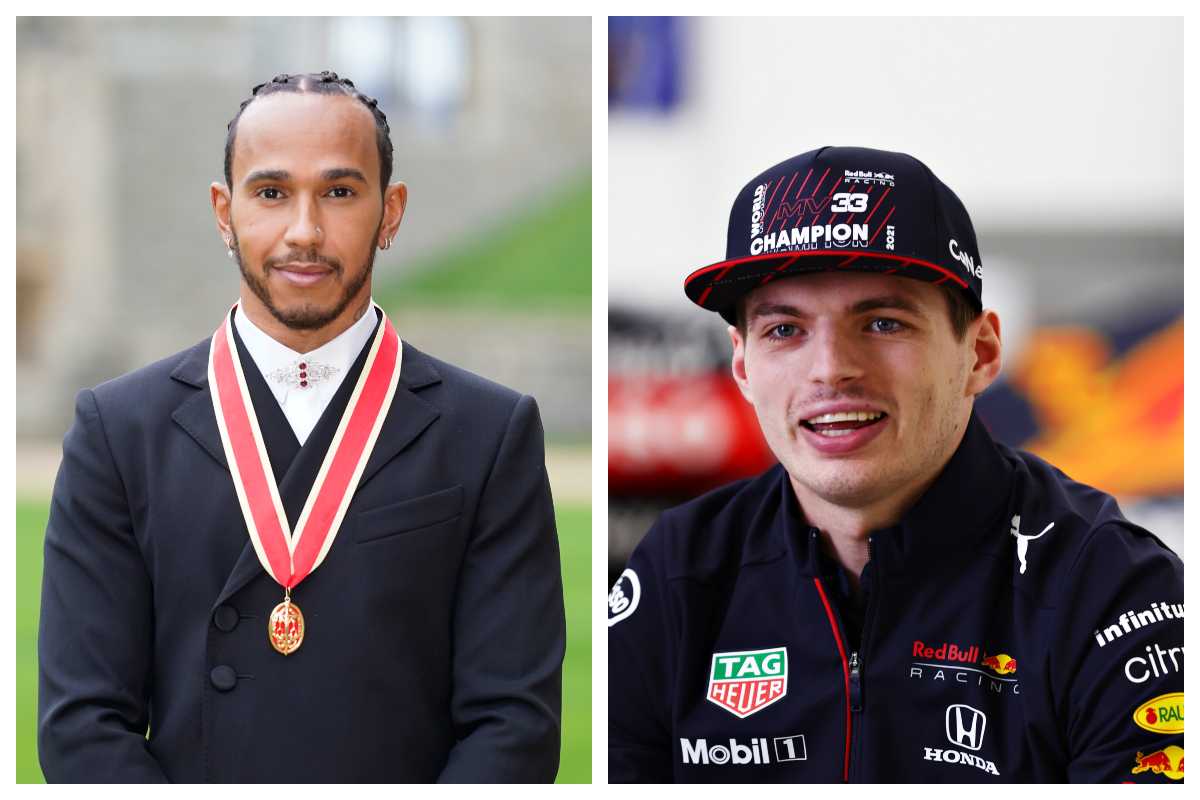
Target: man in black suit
[[431, 639]]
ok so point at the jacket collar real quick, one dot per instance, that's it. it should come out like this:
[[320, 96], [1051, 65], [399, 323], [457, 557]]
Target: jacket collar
[[406, 419], [967, 501]]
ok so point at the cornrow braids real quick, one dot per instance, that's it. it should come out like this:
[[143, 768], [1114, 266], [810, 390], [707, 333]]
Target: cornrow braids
[[320, 83]]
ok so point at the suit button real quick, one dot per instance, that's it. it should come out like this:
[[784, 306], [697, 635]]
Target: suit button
[[223, 677], [225, 618]]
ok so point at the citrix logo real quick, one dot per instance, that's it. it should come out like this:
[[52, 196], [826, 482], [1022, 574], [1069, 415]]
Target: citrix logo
[[966, 260]]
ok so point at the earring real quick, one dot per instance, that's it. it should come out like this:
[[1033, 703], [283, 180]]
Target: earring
[[229, 252]]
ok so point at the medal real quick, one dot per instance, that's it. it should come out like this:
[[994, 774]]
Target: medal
[[290, 557], [285, 627]]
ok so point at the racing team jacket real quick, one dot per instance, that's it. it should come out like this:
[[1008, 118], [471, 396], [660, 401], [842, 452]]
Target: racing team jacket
[[1017, 628]]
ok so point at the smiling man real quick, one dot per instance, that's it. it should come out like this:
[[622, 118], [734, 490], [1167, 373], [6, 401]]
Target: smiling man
[[302, 550], [901, 599]]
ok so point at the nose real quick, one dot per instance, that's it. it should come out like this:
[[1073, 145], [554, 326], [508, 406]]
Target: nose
[[304, 232], [834, 360]]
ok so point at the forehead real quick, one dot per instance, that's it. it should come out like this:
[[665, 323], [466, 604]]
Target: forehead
[[823, 292], [305, 133]]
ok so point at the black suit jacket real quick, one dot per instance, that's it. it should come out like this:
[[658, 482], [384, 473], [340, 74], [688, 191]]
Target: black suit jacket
[[435, 628]]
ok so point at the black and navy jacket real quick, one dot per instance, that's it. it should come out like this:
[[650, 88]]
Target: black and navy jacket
[[1016, 627]]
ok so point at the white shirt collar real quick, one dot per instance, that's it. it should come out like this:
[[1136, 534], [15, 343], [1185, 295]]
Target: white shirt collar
[[304, 383]]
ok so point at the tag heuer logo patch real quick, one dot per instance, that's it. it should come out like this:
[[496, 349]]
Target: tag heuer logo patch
[[749, 680]]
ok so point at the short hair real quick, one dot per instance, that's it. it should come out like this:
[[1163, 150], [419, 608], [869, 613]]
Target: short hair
[[318, 83], [962, 310]]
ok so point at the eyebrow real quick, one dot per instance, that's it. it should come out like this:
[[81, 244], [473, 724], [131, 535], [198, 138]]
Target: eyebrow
[[890, 301], [334, 174]]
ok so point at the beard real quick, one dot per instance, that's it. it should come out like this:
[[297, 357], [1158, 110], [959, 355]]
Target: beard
[[307, 317]]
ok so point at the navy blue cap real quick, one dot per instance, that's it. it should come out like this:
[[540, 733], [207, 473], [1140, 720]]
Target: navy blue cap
[[842, 208]]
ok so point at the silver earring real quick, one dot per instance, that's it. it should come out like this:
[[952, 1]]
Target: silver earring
[[229, 252]]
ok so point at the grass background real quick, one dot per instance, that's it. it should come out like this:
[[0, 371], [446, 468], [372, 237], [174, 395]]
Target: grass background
[[539, 259], [574, 536]]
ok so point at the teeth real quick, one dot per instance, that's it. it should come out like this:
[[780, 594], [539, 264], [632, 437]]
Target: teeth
[[846, 416]]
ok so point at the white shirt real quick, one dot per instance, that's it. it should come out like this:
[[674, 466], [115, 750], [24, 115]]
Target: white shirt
[[304, 383]]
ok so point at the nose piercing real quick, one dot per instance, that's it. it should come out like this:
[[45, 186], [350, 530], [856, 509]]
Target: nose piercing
[[318, 230]]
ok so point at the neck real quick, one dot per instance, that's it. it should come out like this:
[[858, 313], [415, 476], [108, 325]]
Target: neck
[[302, 341], [844, 530]]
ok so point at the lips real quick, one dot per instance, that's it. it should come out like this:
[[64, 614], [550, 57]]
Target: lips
[[843, 431], [303, 274]]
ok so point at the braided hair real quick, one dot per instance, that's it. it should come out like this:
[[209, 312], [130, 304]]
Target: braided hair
[[319, 83]]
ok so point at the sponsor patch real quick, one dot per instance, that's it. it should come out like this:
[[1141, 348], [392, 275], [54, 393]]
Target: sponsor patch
[[1162, 714], [1023, 539], [744, 682], [965, 727], [1158, 662], [624, 597], [1168, 761], [1001, 664], [948, 662], [1131, 621], [738, 753]]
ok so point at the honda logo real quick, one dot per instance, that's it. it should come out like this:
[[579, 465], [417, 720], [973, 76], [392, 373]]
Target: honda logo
[[965, 725]]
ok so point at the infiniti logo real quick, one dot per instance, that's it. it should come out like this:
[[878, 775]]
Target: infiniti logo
[[965, 726]]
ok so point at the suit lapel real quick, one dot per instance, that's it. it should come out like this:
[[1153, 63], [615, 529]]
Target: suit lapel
[[195, 414], [409, 415]]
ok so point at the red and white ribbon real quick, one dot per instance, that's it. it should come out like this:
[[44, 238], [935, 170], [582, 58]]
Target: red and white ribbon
[[290, 558]]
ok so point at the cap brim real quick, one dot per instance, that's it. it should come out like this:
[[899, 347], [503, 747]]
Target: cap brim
[[718, 287]]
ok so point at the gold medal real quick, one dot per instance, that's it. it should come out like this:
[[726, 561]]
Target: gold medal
[[285, 628]]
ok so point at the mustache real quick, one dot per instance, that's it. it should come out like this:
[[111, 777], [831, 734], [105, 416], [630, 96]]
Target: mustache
[[847, 395], [311, 257]]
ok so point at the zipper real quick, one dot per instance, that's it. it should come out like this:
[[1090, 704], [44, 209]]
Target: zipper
[[852, 665], [837, 637], [856, 677], [855, 683]]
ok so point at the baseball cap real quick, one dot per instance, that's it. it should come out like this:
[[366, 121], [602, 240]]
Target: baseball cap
[[842, 208]]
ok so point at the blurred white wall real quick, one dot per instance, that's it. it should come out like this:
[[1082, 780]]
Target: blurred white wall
[[1040, 125]]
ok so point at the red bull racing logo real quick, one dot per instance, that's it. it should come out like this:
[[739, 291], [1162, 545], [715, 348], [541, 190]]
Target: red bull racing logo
[[748, 681], [1168, 761], [1001, 664]]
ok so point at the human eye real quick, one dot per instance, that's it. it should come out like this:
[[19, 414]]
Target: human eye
[[341, 192], [269, 193], [886, 325], [782, 330]]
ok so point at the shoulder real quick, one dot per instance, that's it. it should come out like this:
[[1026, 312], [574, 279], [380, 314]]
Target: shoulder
[[1082, 534], [719, 531], [453, 387], [168, 378]]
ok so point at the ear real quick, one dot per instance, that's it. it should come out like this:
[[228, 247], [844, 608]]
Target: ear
[[222, 203], [395, 200], [985, 352], [739, 362]]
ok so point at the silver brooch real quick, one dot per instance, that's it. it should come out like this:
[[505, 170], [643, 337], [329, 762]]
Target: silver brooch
[[303, 374]]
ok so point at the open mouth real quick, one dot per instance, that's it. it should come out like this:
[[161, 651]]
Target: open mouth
[[843, 423]]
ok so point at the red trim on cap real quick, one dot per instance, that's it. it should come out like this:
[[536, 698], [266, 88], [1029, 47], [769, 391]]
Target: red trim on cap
[[726, 266]]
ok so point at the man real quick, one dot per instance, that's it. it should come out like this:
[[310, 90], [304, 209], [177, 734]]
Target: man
[[901, 599], [302, 550]]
